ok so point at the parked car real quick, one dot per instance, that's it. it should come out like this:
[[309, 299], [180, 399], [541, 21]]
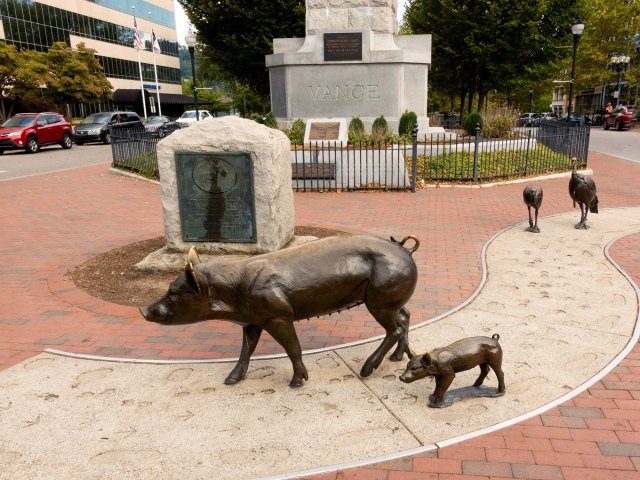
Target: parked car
[[160, 125], [621, 117], [527, 119], [97, 126], [188, 117], [545, 117], [577, 119], [30, 131]]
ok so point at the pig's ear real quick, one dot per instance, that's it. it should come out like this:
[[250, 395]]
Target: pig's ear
[[192, 256], [196, 279], [426, 360]]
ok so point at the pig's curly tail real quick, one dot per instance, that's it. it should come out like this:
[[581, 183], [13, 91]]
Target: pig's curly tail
[[408, 237]]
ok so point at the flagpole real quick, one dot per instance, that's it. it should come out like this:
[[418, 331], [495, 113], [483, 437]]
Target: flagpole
[[137, 43], [144, 100], [155, 48]]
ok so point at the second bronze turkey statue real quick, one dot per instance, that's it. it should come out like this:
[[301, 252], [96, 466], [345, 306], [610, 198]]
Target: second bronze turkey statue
[[532, 196], [583, 192]]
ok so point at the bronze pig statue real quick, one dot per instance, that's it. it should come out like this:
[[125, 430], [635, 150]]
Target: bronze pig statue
[[444, 363], [273, 290]]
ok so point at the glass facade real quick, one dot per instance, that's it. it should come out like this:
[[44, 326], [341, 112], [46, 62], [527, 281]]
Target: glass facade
[[32, 25], [119, 68], [143, 9]]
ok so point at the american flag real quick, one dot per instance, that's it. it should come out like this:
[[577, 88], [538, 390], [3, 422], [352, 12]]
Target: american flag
[[136, 35]]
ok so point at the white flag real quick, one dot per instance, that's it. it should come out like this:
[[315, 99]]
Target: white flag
[[156, 44]]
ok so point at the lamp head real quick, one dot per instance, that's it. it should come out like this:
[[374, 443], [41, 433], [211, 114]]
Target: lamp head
[[190, 39], [577, 27]]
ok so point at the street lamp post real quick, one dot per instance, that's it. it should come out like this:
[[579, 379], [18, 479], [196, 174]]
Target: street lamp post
[[577, 27], [619, 63], [190, 40], [531, 100]]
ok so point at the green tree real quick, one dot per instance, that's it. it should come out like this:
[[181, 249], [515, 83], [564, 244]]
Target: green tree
[[480, 46], [8, 59], [610, 27], [22, 75], [75, 76], [237, 34]]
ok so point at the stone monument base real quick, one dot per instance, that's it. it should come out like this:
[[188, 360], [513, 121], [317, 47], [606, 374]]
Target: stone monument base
[[226, 187], [166, 259]]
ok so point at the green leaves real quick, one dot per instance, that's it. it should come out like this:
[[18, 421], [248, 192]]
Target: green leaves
[[61, 75], [237, 34]]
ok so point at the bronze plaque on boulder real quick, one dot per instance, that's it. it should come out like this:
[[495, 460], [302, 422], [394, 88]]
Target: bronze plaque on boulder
[[324, 131], [342, 46], [215, 196]]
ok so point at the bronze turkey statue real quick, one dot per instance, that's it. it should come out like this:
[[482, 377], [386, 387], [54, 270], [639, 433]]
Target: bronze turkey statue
[[532, 196], [583, 191]]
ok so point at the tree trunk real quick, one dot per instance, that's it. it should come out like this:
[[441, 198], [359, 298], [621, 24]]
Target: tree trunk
[[481, 96], [463, 94]]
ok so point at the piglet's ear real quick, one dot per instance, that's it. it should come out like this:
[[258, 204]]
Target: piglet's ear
[[197, 281], [192, 256], [426, 360]]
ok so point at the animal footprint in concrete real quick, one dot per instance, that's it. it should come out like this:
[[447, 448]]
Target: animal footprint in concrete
[[608, 322], [91, 376], [179, 375], [585, 360], [327, 362], [38, 363], [526, 385]]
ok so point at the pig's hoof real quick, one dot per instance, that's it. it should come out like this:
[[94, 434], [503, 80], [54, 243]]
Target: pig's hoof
[[296, 383], [366, 370], [232, 379], [396, 357]]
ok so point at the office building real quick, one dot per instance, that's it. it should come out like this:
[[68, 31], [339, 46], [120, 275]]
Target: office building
[[107, 26]]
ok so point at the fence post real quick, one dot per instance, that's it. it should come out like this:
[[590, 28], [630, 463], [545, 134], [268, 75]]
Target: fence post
[[526, 161], [475, 153], [414, 157]]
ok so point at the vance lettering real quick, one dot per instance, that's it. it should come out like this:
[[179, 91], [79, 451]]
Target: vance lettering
[[347, 91]]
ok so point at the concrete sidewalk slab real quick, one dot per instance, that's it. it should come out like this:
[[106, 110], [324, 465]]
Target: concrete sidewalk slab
[[99, 419]]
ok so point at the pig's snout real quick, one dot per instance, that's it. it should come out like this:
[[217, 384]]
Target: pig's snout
[[406, 378], [158, 312]]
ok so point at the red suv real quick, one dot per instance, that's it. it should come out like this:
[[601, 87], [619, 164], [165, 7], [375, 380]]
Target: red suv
[[32, 130], [621, 117]]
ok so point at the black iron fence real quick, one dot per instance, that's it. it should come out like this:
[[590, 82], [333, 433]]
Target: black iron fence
[[431, 158], [134, 149]]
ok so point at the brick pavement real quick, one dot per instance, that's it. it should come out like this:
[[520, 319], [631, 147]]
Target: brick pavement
[[56, 221]]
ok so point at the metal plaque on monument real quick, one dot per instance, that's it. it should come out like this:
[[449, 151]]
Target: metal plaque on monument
[[216, 197]]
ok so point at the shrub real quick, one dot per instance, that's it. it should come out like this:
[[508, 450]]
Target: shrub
[[296, 132], [380, 126], [379, 130], [407, 121], [499, 123], [470, 122], [356, 131], [270, 120]]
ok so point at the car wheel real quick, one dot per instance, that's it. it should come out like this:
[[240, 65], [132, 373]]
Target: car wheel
[[106, 139], [66, 141], [605, 125], [618, 126], [161, 133], [32, 145]]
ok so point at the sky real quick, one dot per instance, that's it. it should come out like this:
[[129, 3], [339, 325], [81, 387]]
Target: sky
[[182, 23]]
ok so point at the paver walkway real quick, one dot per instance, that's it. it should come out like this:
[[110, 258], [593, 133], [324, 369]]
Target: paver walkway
[[54, 222]]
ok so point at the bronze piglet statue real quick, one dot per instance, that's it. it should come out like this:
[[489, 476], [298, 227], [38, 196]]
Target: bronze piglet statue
[[271, 291], [444, 363]]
